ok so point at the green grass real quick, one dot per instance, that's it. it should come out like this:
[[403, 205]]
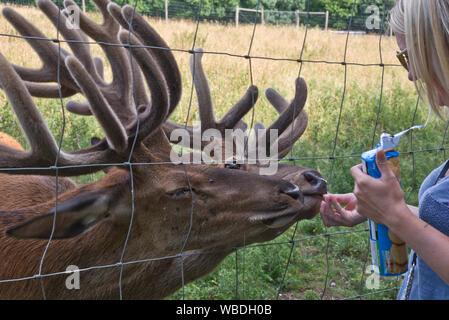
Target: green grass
[[318, 267]]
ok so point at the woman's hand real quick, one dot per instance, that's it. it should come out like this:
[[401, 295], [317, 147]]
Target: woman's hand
[[378, 199], [333, 214]]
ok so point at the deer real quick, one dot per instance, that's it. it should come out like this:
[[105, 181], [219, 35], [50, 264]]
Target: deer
[[148, 221]]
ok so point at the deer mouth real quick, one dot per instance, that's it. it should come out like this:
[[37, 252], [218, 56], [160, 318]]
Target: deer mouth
[[275, 223], [275, 220], [308, 200], [312, 196]]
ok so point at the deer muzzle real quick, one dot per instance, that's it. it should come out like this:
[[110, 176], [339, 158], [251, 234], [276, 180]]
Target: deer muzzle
[[318, 185]]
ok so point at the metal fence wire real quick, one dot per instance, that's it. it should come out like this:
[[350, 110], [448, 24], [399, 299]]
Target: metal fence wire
[[243, 271]]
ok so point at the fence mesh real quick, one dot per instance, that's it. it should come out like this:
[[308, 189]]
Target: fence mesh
[[333, 164]]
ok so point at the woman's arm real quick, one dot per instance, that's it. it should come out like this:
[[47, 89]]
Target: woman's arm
[[414, 210], [382, 200], [429, 243]]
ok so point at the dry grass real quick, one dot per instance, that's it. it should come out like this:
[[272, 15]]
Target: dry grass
[[229, 76]]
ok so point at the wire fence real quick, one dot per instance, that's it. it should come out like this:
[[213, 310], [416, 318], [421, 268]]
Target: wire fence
[[242, 270]]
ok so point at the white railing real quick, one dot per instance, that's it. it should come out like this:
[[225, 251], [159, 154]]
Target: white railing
[[297, 14]]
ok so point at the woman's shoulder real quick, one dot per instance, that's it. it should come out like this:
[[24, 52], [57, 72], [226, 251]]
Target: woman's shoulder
[[432, 179], [434, 200]]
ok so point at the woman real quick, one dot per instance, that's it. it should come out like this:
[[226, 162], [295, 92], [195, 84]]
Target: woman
[[422, 33]]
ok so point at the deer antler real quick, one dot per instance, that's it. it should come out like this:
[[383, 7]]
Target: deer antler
[[290, 125], [292, 121], [144, 41], [111, 104], [233, 117]]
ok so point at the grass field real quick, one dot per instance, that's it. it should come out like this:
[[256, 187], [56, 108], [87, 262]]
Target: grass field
[[343, 107]]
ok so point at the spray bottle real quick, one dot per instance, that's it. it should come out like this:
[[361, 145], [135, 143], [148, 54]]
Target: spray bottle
[[389, 253]]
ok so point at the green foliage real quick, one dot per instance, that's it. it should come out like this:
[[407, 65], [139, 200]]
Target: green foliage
[[277, 11], [340, 12], [311, 295], [363, 4], [281, 5], [340, 8]]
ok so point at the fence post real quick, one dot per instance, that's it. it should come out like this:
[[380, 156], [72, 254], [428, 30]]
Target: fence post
[[84, 6], [237, 16], [297, 18], [263, 20], [327, 21], [166, 10]]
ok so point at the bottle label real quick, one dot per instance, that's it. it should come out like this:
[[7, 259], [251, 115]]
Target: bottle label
[[389, 253]]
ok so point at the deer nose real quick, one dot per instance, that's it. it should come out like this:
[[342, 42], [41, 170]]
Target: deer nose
[[319, 185], [294, 192]]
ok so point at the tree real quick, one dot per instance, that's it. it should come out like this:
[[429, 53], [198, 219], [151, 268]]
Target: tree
[[381, 8], [276, 11], [339, 11]]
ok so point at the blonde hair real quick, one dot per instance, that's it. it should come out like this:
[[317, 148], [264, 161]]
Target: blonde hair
[[425, 24]]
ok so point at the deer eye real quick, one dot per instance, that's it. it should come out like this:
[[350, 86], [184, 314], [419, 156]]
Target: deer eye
[[233, 165], [179, 193]]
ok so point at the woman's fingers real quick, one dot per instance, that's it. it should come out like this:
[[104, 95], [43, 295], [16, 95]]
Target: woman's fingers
[[357, 173], [324, 214], [330, 216], [382, 164], [340, 198], [338, 207], [334, 213]]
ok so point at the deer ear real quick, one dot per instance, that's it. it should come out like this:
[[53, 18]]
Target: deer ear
[[73, 217]]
